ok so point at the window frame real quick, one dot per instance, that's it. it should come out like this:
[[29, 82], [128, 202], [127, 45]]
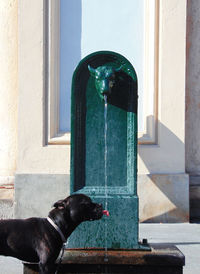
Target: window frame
[[151, 55]]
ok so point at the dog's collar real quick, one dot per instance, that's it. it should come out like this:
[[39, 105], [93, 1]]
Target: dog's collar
[[57, 229]]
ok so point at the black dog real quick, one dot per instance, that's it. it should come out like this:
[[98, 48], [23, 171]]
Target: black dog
[[41, 239]]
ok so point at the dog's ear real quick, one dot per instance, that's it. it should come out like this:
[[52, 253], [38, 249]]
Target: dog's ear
[[59, 204]]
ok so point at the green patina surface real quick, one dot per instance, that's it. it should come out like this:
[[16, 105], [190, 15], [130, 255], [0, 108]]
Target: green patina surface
[[95, 142], [88, 148], [122, 229]]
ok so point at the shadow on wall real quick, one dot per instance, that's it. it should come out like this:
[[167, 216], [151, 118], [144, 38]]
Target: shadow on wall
[[163, 197]]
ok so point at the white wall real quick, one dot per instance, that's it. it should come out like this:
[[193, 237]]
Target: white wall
[[8, 88], [166, 156], [159, 164]]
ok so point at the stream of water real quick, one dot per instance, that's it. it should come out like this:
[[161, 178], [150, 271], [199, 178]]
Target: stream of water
[[106, 175]]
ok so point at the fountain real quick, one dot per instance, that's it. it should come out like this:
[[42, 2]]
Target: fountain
[[104, 167], [111, 74]]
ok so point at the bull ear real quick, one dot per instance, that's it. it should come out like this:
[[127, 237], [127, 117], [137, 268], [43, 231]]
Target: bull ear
[[118, 69], [59, 204], [91, 70]]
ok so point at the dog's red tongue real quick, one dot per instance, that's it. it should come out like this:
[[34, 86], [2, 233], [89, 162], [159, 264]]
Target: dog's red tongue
[[106, 212]]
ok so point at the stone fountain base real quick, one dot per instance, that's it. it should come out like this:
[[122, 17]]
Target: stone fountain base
[[162, 259]]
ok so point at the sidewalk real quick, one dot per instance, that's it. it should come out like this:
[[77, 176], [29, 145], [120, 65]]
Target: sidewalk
[[185, 236]]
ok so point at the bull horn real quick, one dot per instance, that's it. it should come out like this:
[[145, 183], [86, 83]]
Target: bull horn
[[118, 69], [91, 70]]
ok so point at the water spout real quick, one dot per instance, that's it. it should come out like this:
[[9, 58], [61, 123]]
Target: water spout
[[104, 79]]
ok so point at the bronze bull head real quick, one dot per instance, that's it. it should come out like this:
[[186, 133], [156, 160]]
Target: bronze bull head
[[104, 79]]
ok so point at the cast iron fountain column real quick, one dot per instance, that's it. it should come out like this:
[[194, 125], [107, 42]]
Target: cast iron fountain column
[[112, 74]]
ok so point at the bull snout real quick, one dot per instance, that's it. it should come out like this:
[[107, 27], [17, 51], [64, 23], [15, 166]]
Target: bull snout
[[104, 87]]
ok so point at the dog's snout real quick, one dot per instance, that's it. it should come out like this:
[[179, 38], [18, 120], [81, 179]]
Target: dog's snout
[[100, 205]]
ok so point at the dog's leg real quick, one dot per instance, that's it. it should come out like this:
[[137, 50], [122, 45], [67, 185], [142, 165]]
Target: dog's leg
[[47, 268]]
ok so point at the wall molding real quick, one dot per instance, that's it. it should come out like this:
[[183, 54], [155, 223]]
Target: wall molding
[[151, 52], [7, 180], [53, 73]]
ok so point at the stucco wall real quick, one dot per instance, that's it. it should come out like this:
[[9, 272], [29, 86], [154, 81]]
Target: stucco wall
[[193, 106], [193, 89], [40, 165], [8, 88]]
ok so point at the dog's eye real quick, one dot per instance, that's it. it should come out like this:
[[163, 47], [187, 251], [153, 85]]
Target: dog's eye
[[85, 206]]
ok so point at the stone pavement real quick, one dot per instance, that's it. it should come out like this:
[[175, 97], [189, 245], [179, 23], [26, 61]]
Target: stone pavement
[[185, 236], [10, 265]]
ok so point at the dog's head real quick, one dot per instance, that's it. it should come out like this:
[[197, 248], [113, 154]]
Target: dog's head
[[79, 208]]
